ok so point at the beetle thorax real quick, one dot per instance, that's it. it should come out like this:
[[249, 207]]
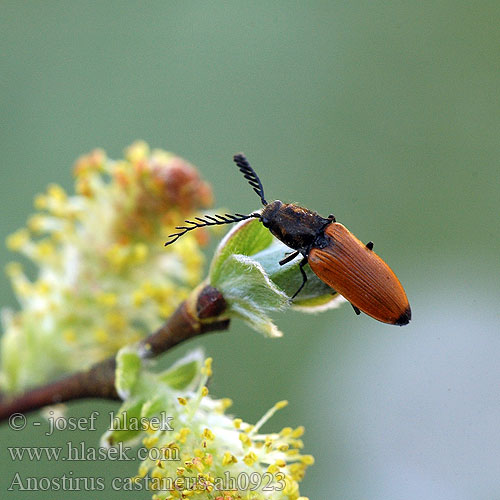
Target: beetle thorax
[[297, 227]]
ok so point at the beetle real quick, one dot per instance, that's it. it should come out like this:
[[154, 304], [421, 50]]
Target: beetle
[[334, 254]]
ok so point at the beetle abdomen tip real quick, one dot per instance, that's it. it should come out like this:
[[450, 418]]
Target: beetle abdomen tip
[[404, 319]]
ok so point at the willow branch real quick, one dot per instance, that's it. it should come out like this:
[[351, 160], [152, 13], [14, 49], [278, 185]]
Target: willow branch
[[195, 316]]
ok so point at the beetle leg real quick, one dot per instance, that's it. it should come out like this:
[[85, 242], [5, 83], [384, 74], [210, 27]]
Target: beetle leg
[[288, 258], [332, 218], [369, 245], [356, 310], [303, 262]]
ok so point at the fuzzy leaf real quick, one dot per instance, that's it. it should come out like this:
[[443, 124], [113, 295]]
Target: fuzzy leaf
[[246, 238], [256, 319], [128, 366], [125, 426], [250, 293], [146, 393], [185, 372], [154, 406]]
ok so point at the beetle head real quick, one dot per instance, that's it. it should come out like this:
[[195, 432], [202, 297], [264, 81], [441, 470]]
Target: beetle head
[[269, 213]]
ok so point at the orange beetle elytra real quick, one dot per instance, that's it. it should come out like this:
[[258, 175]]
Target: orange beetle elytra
[[334, 254]]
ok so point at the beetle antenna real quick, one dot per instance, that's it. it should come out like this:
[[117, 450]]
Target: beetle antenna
[[250, 175], [209, 220]]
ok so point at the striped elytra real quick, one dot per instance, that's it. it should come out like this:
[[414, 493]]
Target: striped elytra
[[360, 276]]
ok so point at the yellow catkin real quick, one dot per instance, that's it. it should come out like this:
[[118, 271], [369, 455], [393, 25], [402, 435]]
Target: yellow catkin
[[17, 240]]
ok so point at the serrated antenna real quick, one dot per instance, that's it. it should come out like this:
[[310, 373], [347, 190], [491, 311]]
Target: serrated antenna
[[250, 175], [208, 220]]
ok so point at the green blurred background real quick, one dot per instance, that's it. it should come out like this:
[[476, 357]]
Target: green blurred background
[[384, 113]]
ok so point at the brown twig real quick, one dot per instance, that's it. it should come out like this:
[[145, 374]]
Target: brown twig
[[195, 316]]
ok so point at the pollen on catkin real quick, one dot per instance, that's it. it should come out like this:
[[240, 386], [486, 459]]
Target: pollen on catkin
[[103, 278], [217, 459]]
